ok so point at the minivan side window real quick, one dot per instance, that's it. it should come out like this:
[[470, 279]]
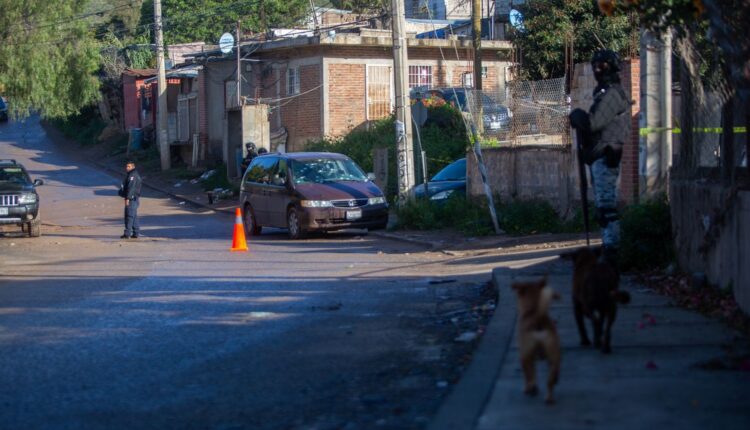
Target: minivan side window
[[261, 170], [279, 178]]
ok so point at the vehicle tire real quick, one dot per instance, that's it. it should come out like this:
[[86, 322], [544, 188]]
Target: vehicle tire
[[293, 225], [35, 227], [249, 221]]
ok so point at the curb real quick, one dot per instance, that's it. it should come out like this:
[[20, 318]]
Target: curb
[[169, 193], [464, 405], [391, 236]]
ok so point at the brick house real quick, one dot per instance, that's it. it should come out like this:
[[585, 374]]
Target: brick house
[[184, 124], [136, 97], [330, 84]]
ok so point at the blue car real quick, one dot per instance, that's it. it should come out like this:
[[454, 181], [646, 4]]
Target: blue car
[[449, 181], [3, 110]]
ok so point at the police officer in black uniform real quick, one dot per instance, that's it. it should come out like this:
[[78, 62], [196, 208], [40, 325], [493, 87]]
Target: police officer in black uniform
[[250, 153], [131, 192], [605, 129]]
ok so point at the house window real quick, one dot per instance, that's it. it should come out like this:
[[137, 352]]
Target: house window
[[292, 81], [467, 78], [420, 76], [378, 92]]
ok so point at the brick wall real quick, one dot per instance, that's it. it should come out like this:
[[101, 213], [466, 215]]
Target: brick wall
[[202, 114], [301, 115], [629, 168], [346, 97], [131, 100]]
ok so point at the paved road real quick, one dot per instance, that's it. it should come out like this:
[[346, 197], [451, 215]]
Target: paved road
[[172, 330]]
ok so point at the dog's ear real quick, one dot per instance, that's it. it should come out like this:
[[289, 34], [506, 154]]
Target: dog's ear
[[542, 282]]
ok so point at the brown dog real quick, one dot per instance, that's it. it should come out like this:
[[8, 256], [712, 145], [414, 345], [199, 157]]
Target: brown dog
[[537, 335], [595, 295]]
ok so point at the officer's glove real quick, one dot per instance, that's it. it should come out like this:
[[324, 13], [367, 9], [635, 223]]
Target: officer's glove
[[579, 119]]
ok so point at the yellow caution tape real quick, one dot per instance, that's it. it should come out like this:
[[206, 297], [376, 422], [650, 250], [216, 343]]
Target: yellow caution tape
[[645, 131]]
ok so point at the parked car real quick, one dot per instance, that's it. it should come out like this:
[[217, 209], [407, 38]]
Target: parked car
[[309, 191], [451, 180], [19, 201], [3, 110], [495, 116]]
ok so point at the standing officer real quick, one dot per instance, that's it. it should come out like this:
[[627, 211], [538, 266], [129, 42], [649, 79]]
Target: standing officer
[[131, 192], [605, 129]]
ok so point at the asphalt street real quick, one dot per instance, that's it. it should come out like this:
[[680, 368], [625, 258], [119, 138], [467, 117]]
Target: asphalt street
[[172, 330]]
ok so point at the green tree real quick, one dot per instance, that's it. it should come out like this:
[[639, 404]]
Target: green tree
[[206, 20], [547, 25], [49, 57]]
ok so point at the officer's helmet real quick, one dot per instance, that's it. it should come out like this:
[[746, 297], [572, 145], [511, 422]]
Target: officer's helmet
[[607, 56]]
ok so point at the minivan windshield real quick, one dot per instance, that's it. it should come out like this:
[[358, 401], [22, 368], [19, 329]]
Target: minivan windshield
[[324, 170]]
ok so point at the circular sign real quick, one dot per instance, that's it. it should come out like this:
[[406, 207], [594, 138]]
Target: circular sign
[[226, 43]]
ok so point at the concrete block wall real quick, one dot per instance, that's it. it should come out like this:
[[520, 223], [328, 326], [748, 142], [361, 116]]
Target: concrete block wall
[[720, 252], [526, 173]]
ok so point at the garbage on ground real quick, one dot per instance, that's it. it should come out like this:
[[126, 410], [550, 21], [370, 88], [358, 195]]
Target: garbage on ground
[[466, 337], [207, 174], [218, 194]]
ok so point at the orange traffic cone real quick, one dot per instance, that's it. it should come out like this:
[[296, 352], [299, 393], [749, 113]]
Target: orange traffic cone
[[238, 241]]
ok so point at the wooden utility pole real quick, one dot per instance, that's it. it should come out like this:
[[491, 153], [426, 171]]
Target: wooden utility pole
[[476, 26], [239, 67], [404, 142], [476, 101], [161, 106]]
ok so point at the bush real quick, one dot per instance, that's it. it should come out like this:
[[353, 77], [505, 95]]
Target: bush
[[529, 217], [472, 217], [467, 216], [646, 235], [84, 127]]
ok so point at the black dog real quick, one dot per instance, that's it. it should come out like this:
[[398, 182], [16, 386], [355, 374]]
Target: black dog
[[595, 294]]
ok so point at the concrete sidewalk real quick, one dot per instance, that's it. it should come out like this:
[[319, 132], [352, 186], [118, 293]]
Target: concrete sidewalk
[[670, 368]]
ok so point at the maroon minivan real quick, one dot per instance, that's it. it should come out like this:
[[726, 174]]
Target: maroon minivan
[[309, 191]]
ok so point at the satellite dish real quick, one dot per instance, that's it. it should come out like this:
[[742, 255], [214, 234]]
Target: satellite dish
[[226, 43]]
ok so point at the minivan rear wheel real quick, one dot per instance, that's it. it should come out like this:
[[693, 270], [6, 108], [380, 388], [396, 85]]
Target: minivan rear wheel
[[251, 225], [293, 225]]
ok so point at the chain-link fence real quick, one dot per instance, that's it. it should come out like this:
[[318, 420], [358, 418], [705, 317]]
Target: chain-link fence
[[710, 121], [526, 113]]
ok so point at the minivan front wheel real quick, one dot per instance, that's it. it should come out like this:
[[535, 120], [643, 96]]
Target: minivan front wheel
[[292, 223], [251, 224]]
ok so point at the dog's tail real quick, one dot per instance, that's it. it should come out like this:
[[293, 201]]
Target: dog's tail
[[621, 296]]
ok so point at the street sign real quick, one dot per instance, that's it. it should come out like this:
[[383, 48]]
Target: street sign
[[226, 43]]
